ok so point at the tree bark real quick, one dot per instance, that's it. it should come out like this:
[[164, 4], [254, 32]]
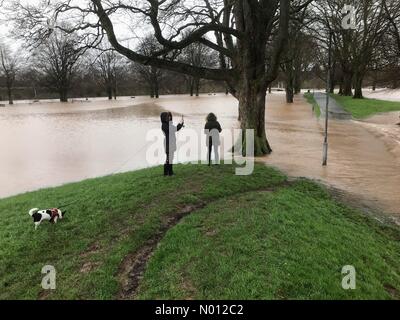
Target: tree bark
[[63, 95], [197, 86], [347, 84], [115, 88], [151, 87], [191, 87], [297, 81], [252, 98], [289, 86], [156, 89], [10, 96], [109, 92], [289, 94], [358, 81]]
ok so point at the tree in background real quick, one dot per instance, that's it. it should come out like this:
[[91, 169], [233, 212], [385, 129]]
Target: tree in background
[[9, 66], [249, 37], [353, 47], [392, 11], [296, 54], [149, 73], [57, 61], [107, 68], [198, 55]]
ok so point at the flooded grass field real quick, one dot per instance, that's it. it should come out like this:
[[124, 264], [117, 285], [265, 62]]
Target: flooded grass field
[[47, 144]]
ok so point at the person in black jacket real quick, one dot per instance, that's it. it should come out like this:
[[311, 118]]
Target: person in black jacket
[[169, 131], [212, 129]]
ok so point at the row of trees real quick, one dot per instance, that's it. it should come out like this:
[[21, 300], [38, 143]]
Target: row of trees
[[63, 60], [245, 44], [364, 41]]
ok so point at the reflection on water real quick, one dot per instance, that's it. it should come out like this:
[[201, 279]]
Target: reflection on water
[[50, 144]]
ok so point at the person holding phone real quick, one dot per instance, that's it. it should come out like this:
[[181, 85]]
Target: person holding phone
[[169, 130]]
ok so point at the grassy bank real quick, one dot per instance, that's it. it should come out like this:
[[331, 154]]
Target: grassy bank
[[362, 108], [255, 237], [310, 99]]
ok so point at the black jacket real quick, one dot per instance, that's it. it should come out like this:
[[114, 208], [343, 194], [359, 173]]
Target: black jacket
[[212, 125]]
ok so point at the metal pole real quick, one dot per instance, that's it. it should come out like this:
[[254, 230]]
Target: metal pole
[[328, 87]]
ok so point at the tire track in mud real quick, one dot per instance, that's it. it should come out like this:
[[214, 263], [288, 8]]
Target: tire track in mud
[[133, 266]]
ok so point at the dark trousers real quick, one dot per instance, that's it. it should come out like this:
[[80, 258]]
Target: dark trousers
[[168, 166]]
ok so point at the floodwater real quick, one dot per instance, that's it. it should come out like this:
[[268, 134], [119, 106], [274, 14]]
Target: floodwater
[[363, 159], [49, 144]]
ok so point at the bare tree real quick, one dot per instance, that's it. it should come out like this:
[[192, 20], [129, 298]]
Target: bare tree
[[106, 70], [201, 56], [31, 77], [57, 61], [249, 37], [152, 76], [9, 65], [353, 47], [392, 11], [149, 73], [294, 57]]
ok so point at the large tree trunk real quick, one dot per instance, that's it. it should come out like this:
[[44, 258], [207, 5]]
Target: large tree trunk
[[151, 87], [341, 85], [289, 85], [347, 84], [191, 86], [297, 87], [289, 93], [10, 96], [374, 80], [358, 81], [252, 82], [115, 88], [156, 89], [252, 98], [63, 95], [197, 86], [297, 80], [109, 93]]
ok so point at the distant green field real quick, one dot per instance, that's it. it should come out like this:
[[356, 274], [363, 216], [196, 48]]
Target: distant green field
[[254, 237], [311, 100], [362, 108]]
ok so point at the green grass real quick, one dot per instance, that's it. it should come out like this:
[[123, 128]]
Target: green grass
[[290, 242], [362, 108], [112, 217], [310, 99]]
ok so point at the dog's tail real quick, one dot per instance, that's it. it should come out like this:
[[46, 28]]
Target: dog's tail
[[33, 211]]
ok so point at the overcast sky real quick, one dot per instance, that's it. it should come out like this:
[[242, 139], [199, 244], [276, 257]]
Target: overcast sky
[[123, 28]]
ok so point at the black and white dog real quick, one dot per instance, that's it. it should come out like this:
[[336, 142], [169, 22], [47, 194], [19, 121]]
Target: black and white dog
[[51, 215]]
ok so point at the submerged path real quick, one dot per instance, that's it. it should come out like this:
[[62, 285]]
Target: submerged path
[[360, 161], [335, 110]]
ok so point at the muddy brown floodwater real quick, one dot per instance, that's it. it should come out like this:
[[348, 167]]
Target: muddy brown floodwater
[[49, 144]]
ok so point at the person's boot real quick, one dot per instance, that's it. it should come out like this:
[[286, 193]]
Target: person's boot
[[170, 170], [166, 169]]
